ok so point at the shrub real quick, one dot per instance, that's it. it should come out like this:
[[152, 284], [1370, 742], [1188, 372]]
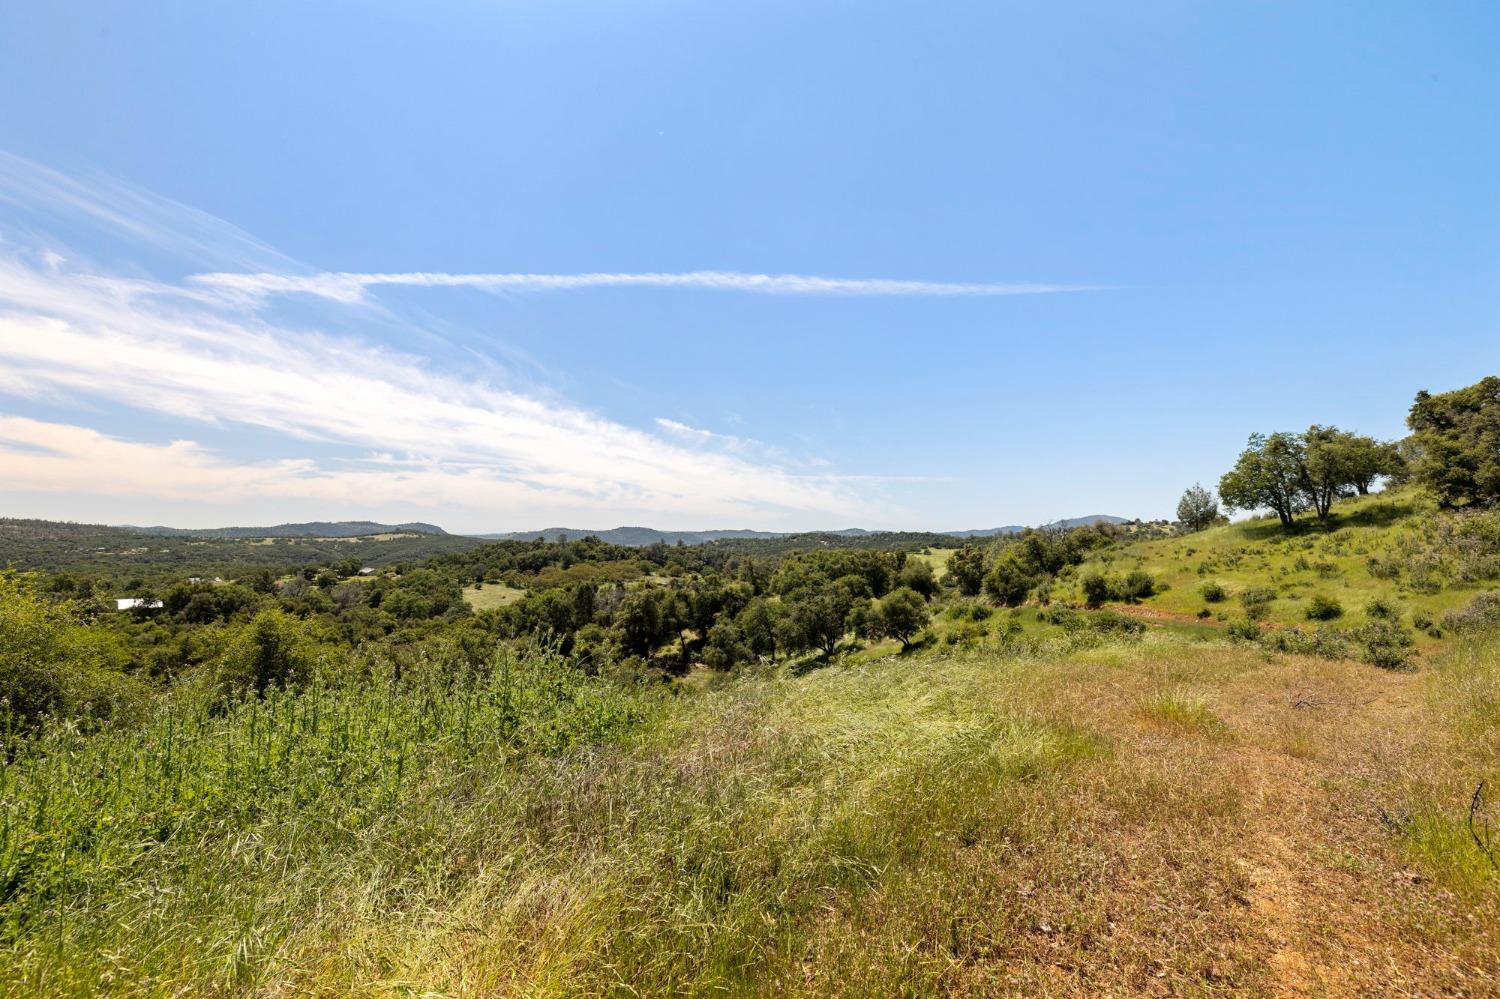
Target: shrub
[[1111, 623], [1324, 608], [1008, 582], [1384, 644], [1382, 608], [1212, 591], [1102, 622], [52, 665], [1326, 643], [1257, 602], [1421, 620], [1383, 568], [1137, 586], [968, 610], [1245, 629], [1096, 588], [1483, 611]]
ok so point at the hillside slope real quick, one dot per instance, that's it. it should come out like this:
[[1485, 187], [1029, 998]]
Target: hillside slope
[[1387, 547], [1147, 816]]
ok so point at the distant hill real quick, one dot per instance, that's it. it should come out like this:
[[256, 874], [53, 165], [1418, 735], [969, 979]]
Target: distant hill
[[312, 529], [639, 537], [133, 552], [1056, 525], [633, 537]]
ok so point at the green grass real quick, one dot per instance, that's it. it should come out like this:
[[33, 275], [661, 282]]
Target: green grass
[[937, 558], [944, 823], [1331, 561], [1177, 710], [490, 596], [191, 848]]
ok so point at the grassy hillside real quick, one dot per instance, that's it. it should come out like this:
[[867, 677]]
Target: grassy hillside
[[398, 786], [1141, 815], [1388, 547]]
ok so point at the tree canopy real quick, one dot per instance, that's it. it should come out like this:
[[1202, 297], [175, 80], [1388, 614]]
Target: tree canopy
[[1458, 443]]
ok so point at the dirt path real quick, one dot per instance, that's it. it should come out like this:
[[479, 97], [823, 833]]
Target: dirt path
[[1332, 900]]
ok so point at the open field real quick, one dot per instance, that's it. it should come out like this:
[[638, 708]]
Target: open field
[[488, 596], [937, 558], [1147, 815]]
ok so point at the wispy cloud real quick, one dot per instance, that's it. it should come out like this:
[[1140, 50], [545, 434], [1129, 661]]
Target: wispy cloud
[[358, 422], [347, 287]]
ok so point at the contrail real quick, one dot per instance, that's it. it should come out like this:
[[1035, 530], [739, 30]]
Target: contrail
[[347, 287]]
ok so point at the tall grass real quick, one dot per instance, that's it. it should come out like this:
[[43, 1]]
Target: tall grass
[[188, 849]]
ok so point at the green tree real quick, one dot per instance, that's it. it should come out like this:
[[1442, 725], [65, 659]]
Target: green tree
[[1458, 441], [966, 567], [274, 649], [1010, 579], [1197, 509], [1269, 474], [917, 575], [727, 646], [900, 614], [758, 622]]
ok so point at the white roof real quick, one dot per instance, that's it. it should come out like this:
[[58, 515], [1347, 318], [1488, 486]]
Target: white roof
[[130, 603]]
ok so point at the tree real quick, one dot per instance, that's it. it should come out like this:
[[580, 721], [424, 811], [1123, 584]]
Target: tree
[[1269, 474], [966, 566], [273, 650], [1010, 580], [1370, 459], [639, 619], [1197, 509], [758, 622], [1328, 470], [1458, 441], [818, 618], [900, 614], [917, 575], [726, 647]]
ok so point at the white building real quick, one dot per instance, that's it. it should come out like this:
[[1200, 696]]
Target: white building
[[131, 603]]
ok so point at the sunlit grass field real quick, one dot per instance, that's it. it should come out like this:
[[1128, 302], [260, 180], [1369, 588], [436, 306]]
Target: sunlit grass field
[[489, 596], [1341, 560], [1092, 816]]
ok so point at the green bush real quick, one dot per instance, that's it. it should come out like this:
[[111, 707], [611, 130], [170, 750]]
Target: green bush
[[1245, 630], [1326, 643], [1138, 585], [1384, 644], [1096, 588], [1482, 612], [51, 664], [1324, 608], [968, 610], [1383, 608], [1212, 591], [273, 650], [1257, 602]]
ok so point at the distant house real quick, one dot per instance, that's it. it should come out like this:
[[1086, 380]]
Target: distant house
[[131, 603], [368, 570]]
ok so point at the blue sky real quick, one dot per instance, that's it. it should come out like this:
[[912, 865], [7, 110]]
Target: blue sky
[[1125, 237]]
